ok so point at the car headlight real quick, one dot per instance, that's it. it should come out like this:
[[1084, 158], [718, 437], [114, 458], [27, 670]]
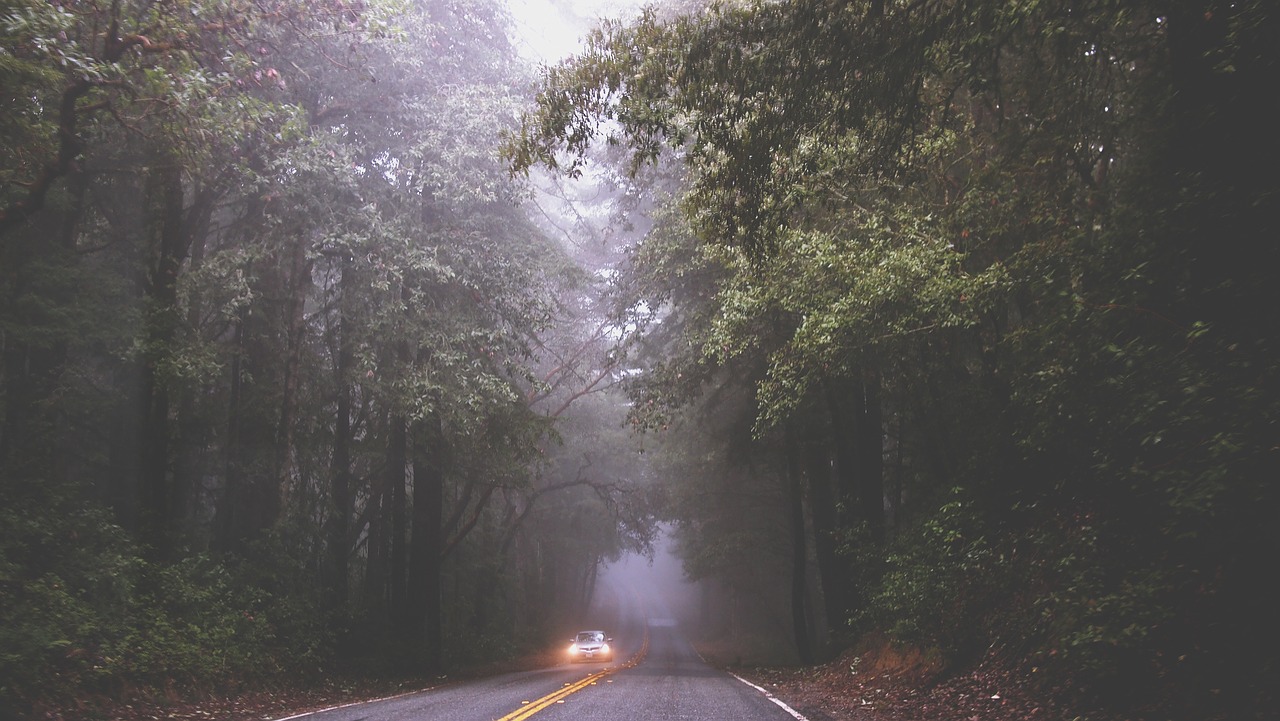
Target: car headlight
[[604, 648], [573, 649]]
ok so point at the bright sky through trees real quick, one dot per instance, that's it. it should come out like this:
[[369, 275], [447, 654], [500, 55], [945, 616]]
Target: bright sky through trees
[[550, 30]]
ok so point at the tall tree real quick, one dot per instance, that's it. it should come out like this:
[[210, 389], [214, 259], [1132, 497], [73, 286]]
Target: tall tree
[[981, 212]]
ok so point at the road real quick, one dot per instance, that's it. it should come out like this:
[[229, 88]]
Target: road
[[657, 675]]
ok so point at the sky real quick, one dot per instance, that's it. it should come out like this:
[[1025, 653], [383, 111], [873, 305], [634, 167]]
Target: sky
[[550, 30], [546, 32]]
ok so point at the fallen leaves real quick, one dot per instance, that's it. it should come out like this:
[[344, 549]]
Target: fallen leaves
[[830, 692]]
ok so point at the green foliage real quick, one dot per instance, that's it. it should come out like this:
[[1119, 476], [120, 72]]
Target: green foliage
[[66, 584], [28, 28], [193, 624], [940, 581], [81, 611], [246, 212], [1035, 225]]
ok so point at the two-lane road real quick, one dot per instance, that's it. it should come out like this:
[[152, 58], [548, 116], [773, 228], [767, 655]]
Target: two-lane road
[[657, 675], [671, 684]]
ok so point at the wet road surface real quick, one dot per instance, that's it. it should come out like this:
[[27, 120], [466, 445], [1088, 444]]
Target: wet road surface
[[657, 675]]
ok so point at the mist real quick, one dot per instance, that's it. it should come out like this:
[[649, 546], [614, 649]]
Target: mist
[[669, 597], [337, 335]]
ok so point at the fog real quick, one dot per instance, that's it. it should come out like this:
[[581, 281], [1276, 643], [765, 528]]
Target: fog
[[660, 584], [550, 30]]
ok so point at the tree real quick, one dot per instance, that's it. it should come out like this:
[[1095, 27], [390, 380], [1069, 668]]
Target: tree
[[981, 217], [286, 329]]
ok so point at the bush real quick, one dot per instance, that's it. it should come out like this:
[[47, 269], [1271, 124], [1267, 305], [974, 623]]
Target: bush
[[942, 580], [81, 613], [66, 578], [190, 624]]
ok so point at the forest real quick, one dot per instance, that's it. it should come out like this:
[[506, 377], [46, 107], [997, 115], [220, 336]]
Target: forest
[[339, 335]]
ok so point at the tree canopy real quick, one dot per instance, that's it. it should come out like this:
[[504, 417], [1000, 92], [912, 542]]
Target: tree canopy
[[990, 273], [942, 321], [276, 334]]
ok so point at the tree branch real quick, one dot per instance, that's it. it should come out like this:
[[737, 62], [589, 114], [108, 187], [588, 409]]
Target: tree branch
[[69, 149]]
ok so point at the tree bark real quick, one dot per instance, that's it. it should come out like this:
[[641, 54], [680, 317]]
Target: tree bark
[[70, 147], [799, 556], [226, 519], [376, 547], [338, 520], [193, 433], [299, 280], [426, 554], [868, 430], [155, 518], [822, 501], [32, 370], [397, 467]]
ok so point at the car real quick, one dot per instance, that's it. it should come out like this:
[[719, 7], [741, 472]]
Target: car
[[591, 646]]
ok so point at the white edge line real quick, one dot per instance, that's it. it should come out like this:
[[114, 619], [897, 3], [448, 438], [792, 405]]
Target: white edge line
[[794, 713], [353, 703]]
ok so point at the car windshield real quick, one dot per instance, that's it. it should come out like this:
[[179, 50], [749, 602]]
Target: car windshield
[[590, 637]]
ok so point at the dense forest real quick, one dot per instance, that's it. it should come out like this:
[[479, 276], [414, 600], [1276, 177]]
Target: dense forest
[[283, 353], [335, 334]]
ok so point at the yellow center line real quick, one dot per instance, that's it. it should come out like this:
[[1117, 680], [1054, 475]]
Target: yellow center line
[[551, 698], [572, 688]]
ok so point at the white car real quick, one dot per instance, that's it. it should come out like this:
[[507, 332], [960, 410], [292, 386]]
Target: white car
[[591, 646]]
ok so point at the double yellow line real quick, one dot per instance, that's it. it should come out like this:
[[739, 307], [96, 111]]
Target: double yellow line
[[555, 697]]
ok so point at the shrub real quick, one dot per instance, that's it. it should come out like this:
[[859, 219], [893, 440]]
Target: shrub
[[66, 578], [942, 580], [81, 612]]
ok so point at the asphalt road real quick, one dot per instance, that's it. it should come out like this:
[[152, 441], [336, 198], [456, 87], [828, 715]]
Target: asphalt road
[[656, 675]]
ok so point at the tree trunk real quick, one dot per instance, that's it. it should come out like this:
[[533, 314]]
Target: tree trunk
[[156, 513], [250, 498], [799, 556], [587, 591], [843, 479], [425, 583], [250, 503], [822, 500], [193, 433], [225, 519], [32, 370], [299, 283], [397, 467], [376, 547], [338, 520], [868, 430]]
